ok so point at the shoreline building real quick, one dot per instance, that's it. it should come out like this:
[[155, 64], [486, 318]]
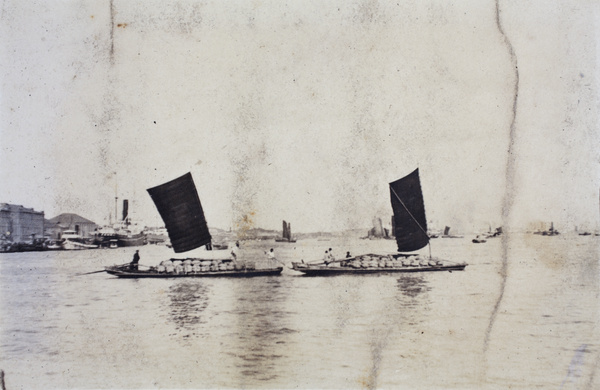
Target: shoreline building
[[67, 221], [20, 224]]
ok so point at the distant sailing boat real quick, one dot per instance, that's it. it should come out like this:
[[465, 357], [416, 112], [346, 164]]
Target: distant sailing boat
[[448, 235], [550, 232], [378, 231], [179, 206], [286, 235], [410, 230]]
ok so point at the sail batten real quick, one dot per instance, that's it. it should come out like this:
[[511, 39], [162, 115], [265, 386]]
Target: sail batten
[[179, 206], [410, 224]]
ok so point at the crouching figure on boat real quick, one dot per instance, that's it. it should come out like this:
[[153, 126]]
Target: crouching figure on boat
[[135, 262]]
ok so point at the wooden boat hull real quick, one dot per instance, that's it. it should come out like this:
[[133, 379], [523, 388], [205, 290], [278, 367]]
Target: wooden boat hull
[[137, 240], [327, 271], [372, 263], [122, 272], [74, 245]]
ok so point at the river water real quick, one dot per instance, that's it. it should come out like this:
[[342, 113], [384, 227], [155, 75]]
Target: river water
[[537, 328]]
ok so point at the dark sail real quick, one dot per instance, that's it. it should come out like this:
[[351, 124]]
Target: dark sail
[[285, 233], [410, 225], [179, 206]]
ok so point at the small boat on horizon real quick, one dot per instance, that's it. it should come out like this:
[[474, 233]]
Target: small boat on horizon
[[550, 232], [478, 240], [410, 231], [448, 235]]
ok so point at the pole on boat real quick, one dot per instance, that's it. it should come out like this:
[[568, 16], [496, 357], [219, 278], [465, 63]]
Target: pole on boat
[[89, 273], [414, 219], [97, 272]]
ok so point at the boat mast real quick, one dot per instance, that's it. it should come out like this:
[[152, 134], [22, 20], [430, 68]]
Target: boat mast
[[116, 200]]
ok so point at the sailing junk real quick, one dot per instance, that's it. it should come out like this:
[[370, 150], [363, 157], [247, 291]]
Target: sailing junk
[[410, 230], [286, 235], [179, 206], [378, 231]]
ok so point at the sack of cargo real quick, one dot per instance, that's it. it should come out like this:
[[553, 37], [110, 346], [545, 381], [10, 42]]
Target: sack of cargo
[[251, 265], [222, 267], [238, 267], [204, 268], [230, 267]]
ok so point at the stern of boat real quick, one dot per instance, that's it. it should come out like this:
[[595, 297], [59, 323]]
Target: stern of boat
[[296, 266]]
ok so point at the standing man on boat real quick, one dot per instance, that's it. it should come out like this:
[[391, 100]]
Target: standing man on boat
[[271, 257], [234, 252], [136, 259]]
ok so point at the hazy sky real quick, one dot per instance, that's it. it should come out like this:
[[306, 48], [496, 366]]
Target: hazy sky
[[303, 110]]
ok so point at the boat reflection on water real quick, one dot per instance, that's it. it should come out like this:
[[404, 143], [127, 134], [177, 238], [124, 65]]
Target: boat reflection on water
[[187, 302], [413, 286], [261, 333], [414, 296]]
